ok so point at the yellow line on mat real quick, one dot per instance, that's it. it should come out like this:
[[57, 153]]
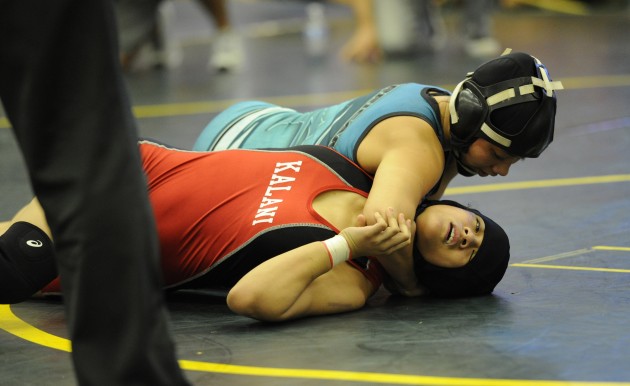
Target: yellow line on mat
[[213, 107], [562, 6], [16, 326], [570, 268], [389, 379], [577, 252], [538, 184], [609, 248]]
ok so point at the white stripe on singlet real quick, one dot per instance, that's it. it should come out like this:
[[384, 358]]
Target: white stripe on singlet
[[227, 140]]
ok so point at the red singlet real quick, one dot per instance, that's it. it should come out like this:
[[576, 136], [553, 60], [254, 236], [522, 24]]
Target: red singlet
[[222, 211]]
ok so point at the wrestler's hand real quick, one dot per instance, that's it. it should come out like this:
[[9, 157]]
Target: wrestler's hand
[[385, 236], [410, 229]]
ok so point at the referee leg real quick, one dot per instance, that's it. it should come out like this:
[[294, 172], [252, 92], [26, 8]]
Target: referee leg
[[61, 87]]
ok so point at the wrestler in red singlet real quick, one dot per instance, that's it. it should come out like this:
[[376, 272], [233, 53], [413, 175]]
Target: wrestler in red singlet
[[219, 214]]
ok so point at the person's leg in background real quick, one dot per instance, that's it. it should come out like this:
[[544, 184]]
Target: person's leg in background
[[146, 32], [409, 27], [146, 35], [477, 22], [227, 53], [138, 33], [62, 90]]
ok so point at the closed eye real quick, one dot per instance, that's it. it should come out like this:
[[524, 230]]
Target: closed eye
[[477, 228], [499, 157]]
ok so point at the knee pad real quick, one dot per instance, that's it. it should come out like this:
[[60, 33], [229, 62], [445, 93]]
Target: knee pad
[[27, 262]]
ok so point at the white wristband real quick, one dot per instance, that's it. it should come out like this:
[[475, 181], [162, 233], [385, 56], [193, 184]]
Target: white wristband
[[338, 249]]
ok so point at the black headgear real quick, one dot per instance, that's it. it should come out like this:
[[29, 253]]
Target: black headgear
[[509, 101], [479, 276]]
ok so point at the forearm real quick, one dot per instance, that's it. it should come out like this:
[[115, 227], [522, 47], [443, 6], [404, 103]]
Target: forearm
[[312, 279], [399, 267], [303, 282], [447, 177], [391, 190], [402, 197], [403, 174], [398, 263], [269, 291]]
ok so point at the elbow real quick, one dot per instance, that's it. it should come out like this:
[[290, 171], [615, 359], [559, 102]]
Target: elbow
[[242, 301], [254, 305]]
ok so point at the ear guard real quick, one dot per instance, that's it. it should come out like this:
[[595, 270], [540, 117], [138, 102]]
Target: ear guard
[[524, 130]]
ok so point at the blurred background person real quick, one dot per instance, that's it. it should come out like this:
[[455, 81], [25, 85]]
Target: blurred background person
[[147, 38], [407, 27]]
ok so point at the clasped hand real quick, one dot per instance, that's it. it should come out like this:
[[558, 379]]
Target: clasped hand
[[384, 237]]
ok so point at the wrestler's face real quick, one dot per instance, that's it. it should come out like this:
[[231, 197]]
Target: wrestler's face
[[448, 236], [488, 159]]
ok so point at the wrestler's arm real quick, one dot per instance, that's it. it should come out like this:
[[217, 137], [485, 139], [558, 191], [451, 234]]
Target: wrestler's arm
[[301, 282], [308, 289], [450, 172], [407, 160]]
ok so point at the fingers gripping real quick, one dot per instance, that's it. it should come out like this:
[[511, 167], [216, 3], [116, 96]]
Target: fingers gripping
[[384, 237], [398, 233]]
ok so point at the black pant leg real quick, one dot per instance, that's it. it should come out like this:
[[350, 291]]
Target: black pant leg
[[61, 87]]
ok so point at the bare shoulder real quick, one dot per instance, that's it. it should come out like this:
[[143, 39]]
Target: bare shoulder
[[412, 135], [403, 126]]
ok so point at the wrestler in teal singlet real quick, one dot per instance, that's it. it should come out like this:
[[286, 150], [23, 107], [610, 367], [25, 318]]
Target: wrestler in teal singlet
[[255, 125]]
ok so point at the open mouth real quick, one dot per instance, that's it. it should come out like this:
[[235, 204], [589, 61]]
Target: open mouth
[[450, 235]]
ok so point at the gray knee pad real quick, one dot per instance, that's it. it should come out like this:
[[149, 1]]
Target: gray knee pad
[[27, 262]]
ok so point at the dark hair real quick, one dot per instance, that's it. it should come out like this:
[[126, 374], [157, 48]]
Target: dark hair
[[479, 276]]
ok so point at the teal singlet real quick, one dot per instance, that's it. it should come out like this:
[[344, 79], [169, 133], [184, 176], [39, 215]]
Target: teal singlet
[[257, 125]]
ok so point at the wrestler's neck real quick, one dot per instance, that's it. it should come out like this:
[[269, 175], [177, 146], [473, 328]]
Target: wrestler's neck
[[339, 207], [442, 101]]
